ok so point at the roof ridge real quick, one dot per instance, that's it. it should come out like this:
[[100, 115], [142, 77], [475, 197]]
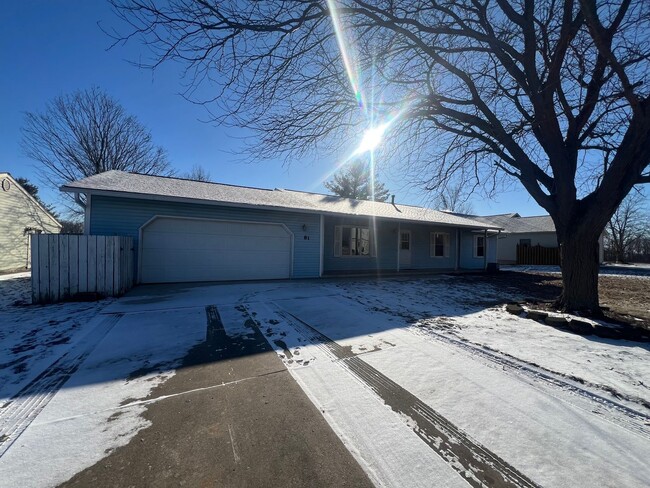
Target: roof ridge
[[180, 179], [360, 200]]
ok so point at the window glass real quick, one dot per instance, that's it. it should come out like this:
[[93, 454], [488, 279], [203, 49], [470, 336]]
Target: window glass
[[346, 241], [479, 252], [355, 241], [406, 241], [439, 245]]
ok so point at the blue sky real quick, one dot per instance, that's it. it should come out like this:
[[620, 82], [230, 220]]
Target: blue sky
[[48, 48]]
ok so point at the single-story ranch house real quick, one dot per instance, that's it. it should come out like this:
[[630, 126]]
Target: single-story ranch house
[[196, 231]]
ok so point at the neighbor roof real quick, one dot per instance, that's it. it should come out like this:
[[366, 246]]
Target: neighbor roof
[[513, 223], [160, 187]]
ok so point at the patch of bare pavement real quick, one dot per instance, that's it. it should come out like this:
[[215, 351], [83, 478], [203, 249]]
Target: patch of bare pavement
[[231, 416]]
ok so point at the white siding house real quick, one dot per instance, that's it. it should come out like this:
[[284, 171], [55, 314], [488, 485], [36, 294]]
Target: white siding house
[[20, 217]]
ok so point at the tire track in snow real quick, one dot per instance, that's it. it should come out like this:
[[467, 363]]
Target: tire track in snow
[[20, 411], [475, 463], [555, 385]]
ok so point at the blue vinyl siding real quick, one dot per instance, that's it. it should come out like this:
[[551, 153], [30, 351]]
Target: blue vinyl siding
[[467, 259], [387, 247], [125, 216], [385, 236], [421, 249]]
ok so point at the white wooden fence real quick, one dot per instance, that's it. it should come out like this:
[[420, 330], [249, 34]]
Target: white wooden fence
[[76, 266]]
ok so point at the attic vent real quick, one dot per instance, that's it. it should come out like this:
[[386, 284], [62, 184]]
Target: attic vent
[[6, 184]]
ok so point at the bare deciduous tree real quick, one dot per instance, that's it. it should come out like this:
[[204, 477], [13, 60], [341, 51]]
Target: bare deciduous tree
[[88, 132], [552, 95], [198, 173], [355, 180], [454, 199], [628, 226]]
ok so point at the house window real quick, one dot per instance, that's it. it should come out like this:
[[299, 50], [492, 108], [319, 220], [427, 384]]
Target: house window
[[524, 242], [479, 246], [352, 241], [405, 241], [439, 245]]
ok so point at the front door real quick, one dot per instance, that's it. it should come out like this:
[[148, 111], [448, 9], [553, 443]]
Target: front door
[[405, 249]]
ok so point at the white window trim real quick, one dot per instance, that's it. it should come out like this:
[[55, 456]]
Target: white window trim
[[445, 248], [476, 238], [338, 244]]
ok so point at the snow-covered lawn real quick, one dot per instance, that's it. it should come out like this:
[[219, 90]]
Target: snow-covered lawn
[[440, 361], [468, 312], [32, 337], [428, 381], [638, 270]]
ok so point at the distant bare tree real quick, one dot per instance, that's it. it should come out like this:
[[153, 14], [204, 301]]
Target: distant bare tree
[[554, 95], [454, 199], [628, 227], [355, 180], [71, 227], [89, 132], [198, 173]]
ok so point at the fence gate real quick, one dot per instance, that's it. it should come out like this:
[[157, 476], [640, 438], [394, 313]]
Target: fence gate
[[538, 255], [70, 266]]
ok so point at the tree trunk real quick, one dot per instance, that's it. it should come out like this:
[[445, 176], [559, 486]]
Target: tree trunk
[[579, 260]]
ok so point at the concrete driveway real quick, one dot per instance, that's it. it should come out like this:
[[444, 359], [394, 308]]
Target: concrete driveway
[[400, 382]]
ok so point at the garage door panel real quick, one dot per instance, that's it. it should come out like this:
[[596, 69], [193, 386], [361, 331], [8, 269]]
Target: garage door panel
[[182, 250]]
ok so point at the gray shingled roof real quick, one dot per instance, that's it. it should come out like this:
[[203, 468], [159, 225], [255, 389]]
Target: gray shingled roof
[[138, 185], [514, 224]]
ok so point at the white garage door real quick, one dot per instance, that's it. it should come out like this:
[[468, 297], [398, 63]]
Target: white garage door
[[181, 250]]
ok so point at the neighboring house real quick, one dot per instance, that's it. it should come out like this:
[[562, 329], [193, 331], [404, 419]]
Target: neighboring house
[[20, 216], [196, 231], [523, 231]]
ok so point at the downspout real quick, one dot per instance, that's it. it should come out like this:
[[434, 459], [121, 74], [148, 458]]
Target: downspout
[[87, 209], [399, 242], [457, 249], [322, 244], [485, 250], [80, 202], [496, 250]]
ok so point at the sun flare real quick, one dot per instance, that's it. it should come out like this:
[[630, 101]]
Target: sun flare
[[372, 138]]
